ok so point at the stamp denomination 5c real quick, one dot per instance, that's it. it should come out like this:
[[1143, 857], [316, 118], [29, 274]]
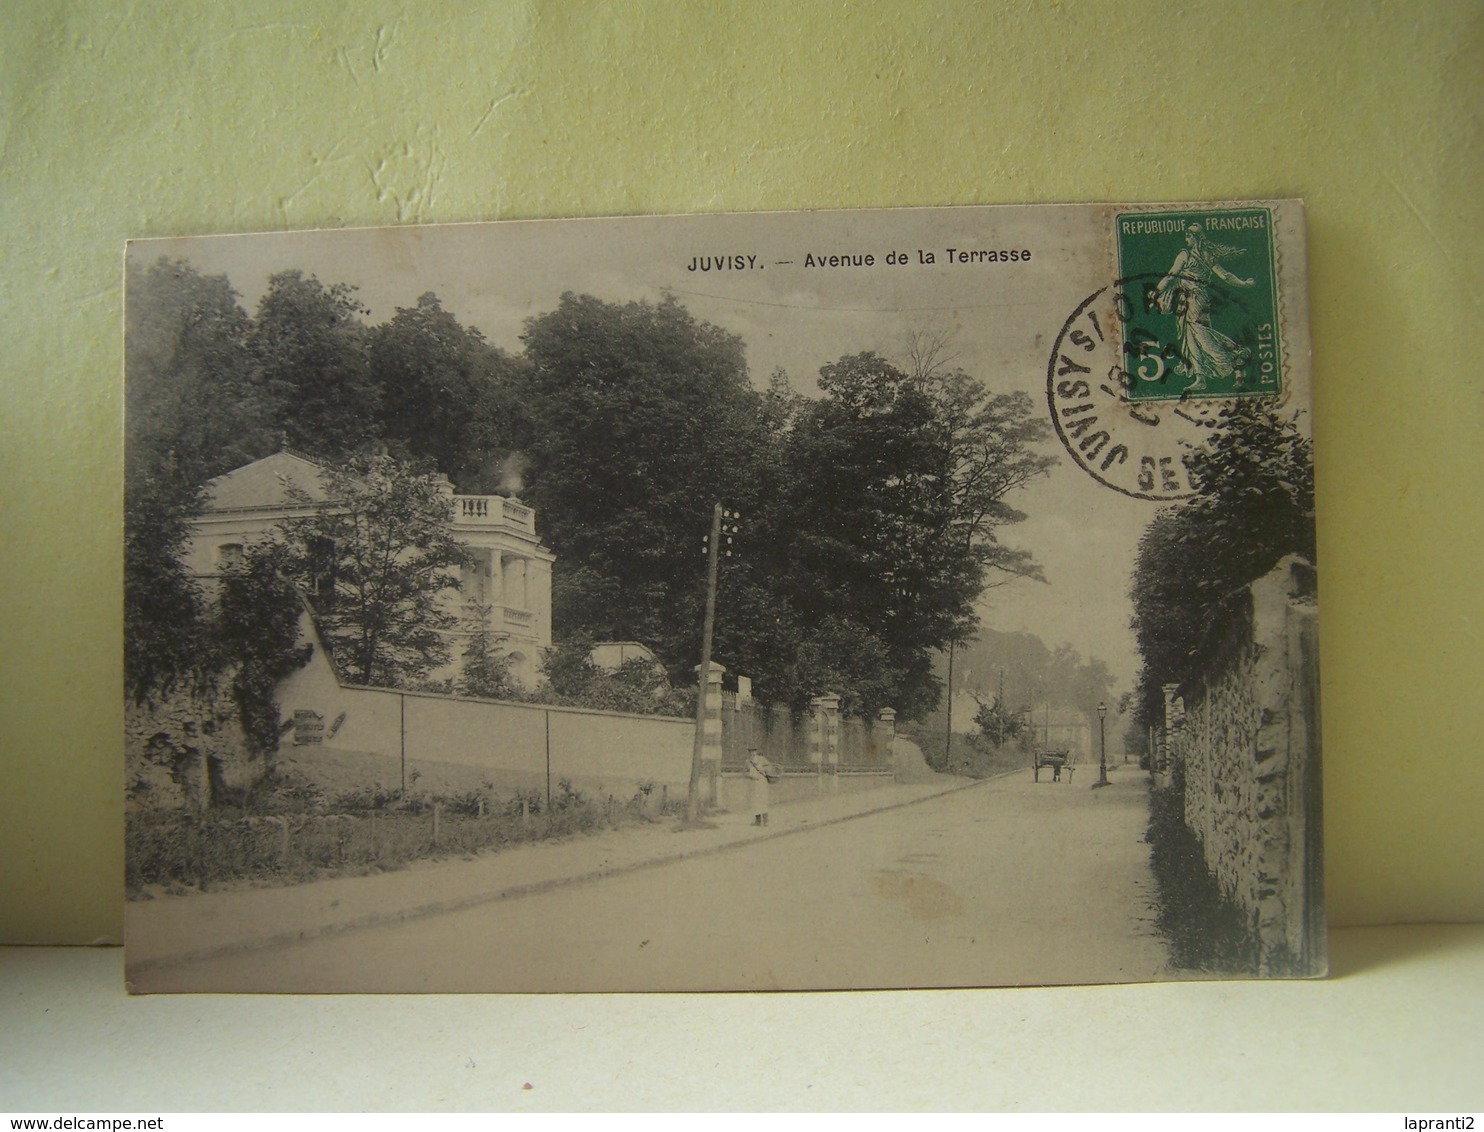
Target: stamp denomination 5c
[[1204, 321]]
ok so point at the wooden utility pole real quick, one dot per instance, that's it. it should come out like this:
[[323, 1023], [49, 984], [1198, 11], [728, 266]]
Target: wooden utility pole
[[703, 676]]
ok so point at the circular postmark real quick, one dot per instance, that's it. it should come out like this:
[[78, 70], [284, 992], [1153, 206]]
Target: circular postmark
[[1138, 378]]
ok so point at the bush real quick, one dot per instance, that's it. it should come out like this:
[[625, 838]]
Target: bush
[[293, 833], [638, 686]]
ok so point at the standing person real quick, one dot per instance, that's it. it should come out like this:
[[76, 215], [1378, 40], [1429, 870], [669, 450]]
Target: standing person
[[759, 773]]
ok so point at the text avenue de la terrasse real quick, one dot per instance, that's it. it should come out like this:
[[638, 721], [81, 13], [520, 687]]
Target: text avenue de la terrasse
[[921, 257]]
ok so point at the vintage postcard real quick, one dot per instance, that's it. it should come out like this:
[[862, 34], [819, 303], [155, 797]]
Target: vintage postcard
[[862, 599]]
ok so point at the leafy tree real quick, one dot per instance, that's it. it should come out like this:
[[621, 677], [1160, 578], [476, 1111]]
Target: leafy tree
[[1254, 505], [897, 493], [841, 655], [445, 392], [487, 671], [164, 609], [311, 349], [569, 669], [996, 724], [191, 411], [871, 517], [1255, 484], [641, 417], [378, 560], [193, 407]]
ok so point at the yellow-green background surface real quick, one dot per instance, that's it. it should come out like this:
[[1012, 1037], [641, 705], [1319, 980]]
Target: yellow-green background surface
[[141, 119]]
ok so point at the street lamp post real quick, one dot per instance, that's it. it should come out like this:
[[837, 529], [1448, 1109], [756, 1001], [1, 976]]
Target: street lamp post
[[1102, 746]]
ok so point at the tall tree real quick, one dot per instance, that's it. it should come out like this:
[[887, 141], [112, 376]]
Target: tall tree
[[310, 346], [898, 489], [997, 723], [445, 393], [192, 410], [193, 406], [641, 418], [164, 609], [379, 560], [257, 629]]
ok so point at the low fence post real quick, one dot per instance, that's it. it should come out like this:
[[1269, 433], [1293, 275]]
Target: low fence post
[[437, 813]]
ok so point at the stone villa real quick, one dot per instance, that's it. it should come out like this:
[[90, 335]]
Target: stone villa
[[506, 590]]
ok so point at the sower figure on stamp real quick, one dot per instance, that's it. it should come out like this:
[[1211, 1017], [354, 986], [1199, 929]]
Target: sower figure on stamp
[[760, 772], [1185, 292]]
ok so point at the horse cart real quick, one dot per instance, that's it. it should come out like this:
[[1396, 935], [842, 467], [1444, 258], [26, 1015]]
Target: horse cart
[[1056, 762]]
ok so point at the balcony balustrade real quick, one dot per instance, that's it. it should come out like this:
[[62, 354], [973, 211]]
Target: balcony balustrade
[[497, 616], [492, 511]]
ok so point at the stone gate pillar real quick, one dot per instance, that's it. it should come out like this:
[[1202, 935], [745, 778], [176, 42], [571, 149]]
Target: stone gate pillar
[[1174, 718], [824, 740], [885, 733], [711, 732]]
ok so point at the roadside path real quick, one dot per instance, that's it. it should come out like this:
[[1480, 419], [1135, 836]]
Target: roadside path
[[170, 930]]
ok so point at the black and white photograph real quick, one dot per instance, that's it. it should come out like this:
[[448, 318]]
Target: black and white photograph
[[896, 598]]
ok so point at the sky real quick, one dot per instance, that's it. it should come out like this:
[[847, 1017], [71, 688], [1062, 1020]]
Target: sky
[[1000, 320]]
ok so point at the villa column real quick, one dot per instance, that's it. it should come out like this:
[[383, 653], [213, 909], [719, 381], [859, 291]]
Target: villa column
[[497, 578], [515, 583]]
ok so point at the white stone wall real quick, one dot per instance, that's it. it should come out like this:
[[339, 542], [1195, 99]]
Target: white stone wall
[[507, 744]]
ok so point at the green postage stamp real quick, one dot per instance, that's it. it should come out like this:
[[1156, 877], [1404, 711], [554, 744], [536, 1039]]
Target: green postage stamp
[[1201, 315]]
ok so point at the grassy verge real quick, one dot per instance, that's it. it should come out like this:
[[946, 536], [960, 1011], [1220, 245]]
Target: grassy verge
[[966, 757], [1205, 929], [288, 836]]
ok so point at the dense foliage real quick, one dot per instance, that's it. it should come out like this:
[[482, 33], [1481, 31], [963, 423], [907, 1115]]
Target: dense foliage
[[1254, 505], [444, 394], [871, 517], [195, 409], [640, 418], [894, 498], [639, 686], [257, 635], [998, 724]]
